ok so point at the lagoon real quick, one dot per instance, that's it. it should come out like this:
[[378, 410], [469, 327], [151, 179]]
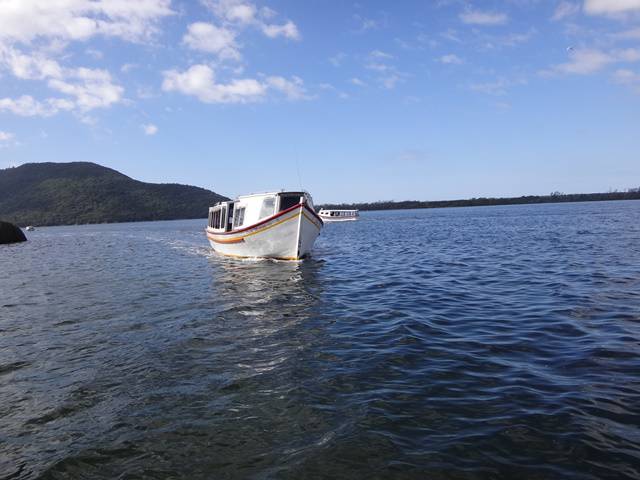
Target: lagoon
[[467, 343]]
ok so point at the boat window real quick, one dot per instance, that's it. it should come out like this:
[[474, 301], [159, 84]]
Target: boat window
[[221, 219], [288, 201], [238, 218], [215, 219], [211, 219], [268, 207], [229, 224]]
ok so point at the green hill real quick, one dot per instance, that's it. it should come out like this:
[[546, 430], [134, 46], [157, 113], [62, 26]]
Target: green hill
[[82, 192]]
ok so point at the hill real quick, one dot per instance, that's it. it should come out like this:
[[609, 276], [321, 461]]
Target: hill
[[82, 192]]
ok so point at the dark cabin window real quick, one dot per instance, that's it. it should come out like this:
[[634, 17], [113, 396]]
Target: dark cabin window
[[288, 201]]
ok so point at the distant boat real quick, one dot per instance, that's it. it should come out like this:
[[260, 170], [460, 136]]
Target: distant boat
[[279, 225], [30, 228], [338, 215]]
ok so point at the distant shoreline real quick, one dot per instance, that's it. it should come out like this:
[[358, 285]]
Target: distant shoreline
[[632, 194]]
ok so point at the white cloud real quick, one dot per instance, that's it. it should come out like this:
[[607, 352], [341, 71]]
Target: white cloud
[[27, 106], [611, 7], [564, 10], [287, 30], [27, 20], [337, 59], [149, 129], [380, 55], [451, 59], [498, 87], [236, 11], [626, 77], [34, 32], [476, 17], [94, 53], [378, 67], [89, 88], [357, 82], [127, 67], [7, 139], [631, 34], [241, 13], [389, 82], [200, 81], [588, 61], [92, 88], [6, 136], [293, 89], [367, 23], [209, 38]]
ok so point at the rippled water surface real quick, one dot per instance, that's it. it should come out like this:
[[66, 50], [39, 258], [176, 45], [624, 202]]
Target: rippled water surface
[[475, 343]]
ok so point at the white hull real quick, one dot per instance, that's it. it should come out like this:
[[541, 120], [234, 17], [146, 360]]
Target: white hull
[[289, 235], [338, 219]]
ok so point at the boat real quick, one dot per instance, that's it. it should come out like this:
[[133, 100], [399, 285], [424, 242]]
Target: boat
[[338, 215], [279, 225], [30, 228]]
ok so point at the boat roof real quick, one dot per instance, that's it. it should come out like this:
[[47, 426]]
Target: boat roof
[[263, 194], [337, 210]]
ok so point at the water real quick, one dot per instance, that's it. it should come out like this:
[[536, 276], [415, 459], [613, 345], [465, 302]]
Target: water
[[475, 343]]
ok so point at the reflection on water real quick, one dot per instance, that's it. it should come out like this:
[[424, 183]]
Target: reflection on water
[[445, 344]]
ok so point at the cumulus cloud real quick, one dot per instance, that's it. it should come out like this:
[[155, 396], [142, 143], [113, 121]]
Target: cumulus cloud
[[4, 136], [611, 7], [199, 81], [34, 32], [287, 30], [631, 34], [379, 54], [451, 59], [212, 39], [27, 20], [498, 87], [149, 129], [85, 88], [589, 61], [27, 106], [564, 10], [626, 77], [6, 139], [293, 89], [241, 13], [337, 59], [476, 17]]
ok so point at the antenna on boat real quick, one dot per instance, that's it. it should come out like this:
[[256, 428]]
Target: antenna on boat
[[298, 168]]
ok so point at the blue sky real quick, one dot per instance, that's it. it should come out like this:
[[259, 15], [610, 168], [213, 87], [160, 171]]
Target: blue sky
[[355, 101]]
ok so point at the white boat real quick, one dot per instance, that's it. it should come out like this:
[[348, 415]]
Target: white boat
[[338, 215], [30, 228], [280, 225]]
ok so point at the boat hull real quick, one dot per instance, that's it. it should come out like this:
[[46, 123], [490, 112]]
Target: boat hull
[[338, 219], [289, 235]]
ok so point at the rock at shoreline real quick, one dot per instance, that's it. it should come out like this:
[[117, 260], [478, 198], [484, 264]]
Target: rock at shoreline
[[9, 233]]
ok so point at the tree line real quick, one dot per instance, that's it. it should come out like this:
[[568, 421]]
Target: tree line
[[554, 197]]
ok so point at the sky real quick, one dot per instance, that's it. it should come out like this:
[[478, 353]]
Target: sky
[[352, 101]]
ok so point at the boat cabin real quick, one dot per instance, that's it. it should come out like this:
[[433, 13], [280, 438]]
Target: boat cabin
[[248, 210]]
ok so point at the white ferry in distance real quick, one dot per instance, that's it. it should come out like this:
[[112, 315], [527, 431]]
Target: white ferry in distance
[[279, 225], [338, 215]]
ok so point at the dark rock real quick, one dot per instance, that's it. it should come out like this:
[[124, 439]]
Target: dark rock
[[9, 233]]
